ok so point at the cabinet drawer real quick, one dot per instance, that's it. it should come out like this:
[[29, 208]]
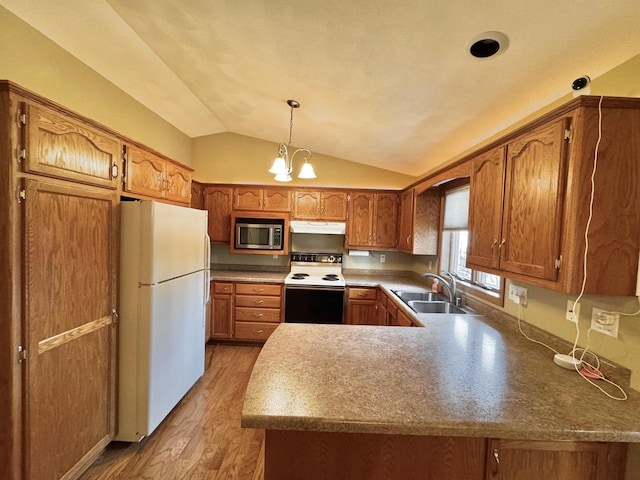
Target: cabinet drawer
[[222, 287], [257, 314], [254, 330], [362, 293], [258, 289], [257, 301]]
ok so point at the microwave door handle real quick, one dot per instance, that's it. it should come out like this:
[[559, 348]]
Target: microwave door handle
[[271, 235]]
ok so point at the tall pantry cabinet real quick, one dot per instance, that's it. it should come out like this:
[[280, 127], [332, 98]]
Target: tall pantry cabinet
[[59, 194]]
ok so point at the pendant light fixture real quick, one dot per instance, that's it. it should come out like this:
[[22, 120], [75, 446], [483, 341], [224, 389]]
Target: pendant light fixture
[[283, 165]]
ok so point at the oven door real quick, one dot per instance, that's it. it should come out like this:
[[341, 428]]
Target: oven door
[[309, 304]]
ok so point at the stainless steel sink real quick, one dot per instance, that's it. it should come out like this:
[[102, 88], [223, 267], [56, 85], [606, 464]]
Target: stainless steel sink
[[421, 296], [421, 306]]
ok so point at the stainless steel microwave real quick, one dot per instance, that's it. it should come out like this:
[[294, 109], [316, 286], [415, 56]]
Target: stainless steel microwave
[[259, 233]]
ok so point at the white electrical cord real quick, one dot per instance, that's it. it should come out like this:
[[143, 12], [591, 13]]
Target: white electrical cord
[[578, 365]]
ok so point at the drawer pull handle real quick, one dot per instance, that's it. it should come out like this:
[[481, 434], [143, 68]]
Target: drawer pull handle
[[496, 457], [258, 331], [259, 302], [258, 315], [259, 290]]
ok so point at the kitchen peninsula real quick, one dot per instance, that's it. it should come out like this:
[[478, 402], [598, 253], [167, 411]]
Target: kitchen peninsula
[[457, 399]]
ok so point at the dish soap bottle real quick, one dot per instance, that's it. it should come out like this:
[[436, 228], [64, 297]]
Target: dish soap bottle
[[434, 285]]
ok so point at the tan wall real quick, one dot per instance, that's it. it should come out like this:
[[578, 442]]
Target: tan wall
[[233, 158], [31, 60]]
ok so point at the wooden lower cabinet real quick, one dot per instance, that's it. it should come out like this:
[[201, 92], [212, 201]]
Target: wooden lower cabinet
[[403, 320], [360, 456], [245, 311], [534, 460], [221, 310], [362, 307]]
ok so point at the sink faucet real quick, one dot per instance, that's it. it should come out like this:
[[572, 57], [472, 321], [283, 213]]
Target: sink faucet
[[451, 287]]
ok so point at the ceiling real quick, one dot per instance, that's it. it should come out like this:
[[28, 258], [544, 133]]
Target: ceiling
[[384, 83]]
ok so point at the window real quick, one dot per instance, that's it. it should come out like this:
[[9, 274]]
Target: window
[[453, 251]]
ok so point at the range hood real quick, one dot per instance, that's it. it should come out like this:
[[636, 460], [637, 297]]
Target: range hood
[[326, 228]]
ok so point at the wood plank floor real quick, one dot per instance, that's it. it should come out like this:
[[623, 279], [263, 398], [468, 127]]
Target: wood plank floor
[[201, 438]]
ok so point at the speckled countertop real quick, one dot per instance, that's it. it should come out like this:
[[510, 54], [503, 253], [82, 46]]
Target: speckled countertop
[[456, 376]]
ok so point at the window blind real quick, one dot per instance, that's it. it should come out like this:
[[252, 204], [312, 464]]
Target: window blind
[[456, 208]]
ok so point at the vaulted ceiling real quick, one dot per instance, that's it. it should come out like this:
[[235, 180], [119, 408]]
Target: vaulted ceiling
[[385, 83]]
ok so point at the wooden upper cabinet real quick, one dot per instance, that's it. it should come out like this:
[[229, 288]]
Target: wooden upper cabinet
[[320, 205], [277, 200], [56, 145], [144, 173], [359, 226], [485, 208], [218, 202], [520, 232], [197, 195], [385, 220], [258, 198], [534, 190], [405, 228], [149, 175], [178, 186], [306, 205], [247, 198], [333, 206], [372, 220]]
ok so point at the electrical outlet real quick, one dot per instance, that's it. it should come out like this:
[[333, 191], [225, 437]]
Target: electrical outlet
[[571, 315], [604, 322], [383, 258], [518, 295]]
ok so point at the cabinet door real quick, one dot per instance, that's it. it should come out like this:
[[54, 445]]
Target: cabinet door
[[178, 183], [529, 460], [277, 200], [405, 230], [217, 201], [145, 173], [197, 196], [247, 198], [485, 208], [61, 147], [306, 205], [359, 226], [362, 312], [222, 316], [334, 206], [70, 274], [532, 214], [384, 220]]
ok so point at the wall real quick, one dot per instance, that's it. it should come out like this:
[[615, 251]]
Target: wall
[[31, 60], [546, 309], [232, 158]]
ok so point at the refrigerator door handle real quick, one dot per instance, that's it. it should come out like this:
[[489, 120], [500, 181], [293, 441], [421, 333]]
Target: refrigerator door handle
[[207, 266]]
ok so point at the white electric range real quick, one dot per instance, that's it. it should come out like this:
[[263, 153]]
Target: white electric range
[[314, 288]]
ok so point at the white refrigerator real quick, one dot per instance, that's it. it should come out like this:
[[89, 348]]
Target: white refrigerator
[[164, 290]]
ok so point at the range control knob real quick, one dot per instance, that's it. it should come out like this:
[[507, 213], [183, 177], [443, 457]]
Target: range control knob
[[331, 259]]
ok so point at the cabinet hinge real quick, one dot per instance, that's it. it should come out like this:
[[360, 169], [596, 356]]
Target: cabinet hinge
[[21, 194], [22, 354], [558, 263], [114, 316], [21, 154], [22, 119], [568, 134]]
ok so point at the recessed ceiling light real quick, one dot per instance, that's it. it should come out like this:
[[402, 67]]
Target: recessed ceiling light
[[487, 44]]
